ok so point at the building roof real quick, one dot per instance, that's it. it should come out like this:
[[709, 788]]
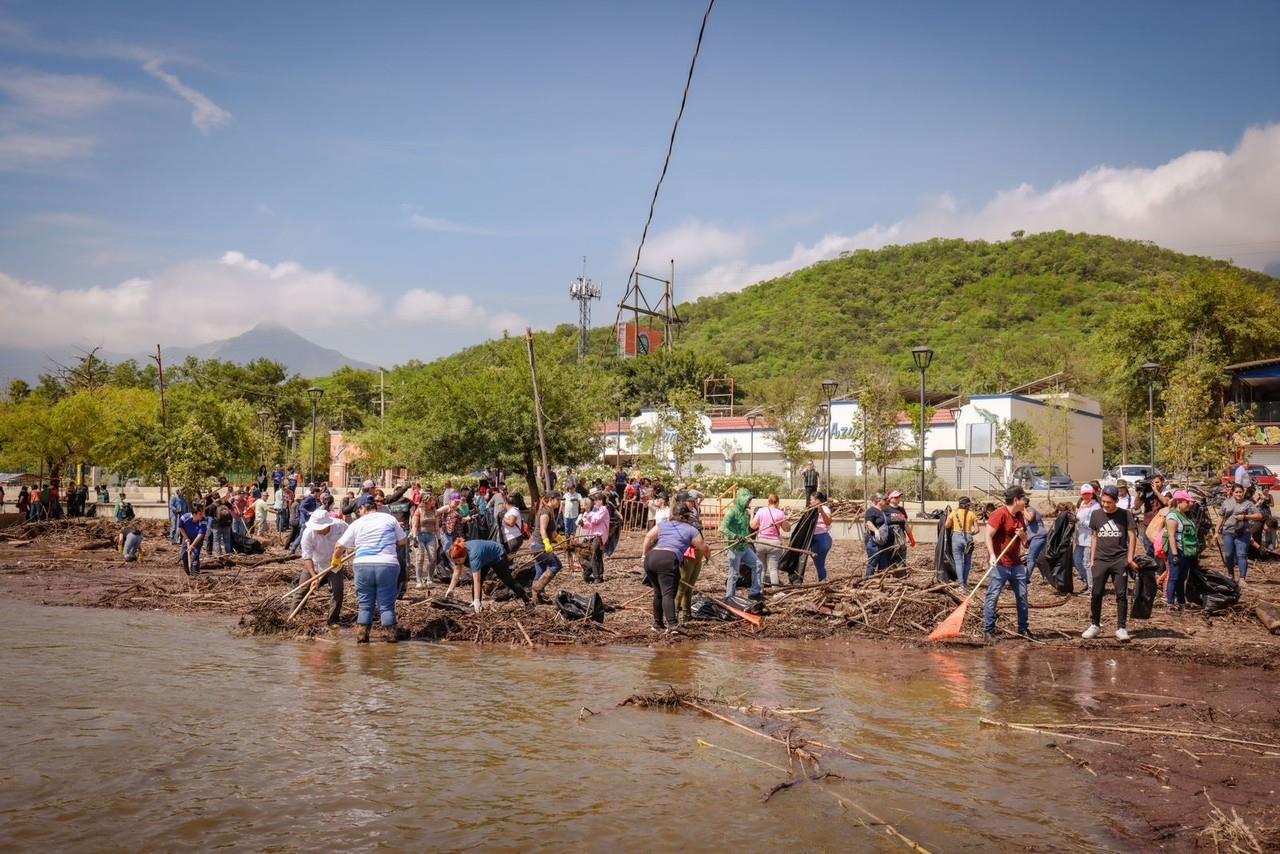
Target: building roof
[[1244, 366]]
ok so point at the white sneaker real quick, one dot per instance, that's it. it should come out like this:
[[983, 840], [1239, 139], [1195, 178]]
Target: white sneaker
[[1122, 635], [1091, 632], [475, 606]]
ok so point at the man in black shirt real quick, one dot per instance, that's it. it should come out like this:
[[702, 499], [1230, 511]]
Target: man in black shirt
[[810, 482], [1112, 545]]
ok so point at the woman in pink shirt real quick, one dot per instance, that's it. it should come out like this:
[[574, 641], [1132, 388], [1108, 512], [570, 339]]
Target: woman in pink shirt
[[769, 523], [593, 528]]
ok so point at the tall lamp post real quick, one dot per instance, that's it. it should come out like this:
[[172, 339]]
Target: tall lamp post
[[751, 454], [1152, 370], [922, 356], [828, 391], [263, 415], [316, 393], [955, 423]]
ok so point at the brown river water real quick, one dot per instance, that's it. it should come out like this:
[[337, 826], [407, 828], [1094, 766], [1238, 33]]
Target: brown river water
[[145, 731]]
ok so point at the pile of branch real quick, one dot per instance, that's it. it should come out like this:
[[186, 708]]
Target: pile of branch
[[76, 533], [895, 602]]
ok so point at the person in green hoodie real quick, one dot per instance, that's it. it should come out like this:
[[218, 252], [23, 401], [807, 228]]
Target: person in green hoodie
[[736, 528]]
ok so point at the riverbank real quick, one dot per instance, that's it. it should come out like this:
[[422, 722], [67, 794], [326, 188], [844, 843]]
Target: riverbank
[[1171, 764]]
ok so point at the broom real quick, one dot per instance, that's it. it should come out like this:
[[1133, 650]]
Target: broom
[[950, 627]]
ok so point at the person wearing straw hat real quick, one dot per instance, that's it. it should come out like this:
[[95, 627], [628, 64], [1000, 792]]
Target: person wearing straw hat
[[319, 539], [1006, 533]]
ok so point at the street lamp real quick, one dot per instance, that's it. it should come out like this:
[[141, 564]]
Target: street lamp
[[922, 356], [828, 391], [263, 415], [316, 393], [1151, 369], [751, 454], [955, 423]]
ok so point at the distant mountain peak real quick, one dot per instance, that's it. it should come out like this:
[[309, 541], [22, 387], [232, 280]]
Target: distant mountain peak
[[279, 343]]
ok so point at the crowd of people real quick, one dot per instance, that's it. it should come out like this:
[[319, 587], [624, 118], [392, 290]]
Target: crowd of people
[[48, 501]]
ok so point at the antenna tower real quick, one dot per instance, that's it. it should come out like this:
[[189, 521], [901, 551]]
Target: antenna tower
[[583, 291]]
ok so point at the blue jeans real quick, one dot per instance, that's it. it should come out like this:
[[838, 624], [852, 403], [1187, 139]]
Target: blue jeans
[[876, 556], [1175, 585], [1033, 554], [1080, 557], [132, 545], [546, 562], [962, 556], [173, 527], [426, 539], [736, 559], [377, 584], [191, 557], [821, 547], [1016, 577], [1236, 549], [239, 527], [570, 525]]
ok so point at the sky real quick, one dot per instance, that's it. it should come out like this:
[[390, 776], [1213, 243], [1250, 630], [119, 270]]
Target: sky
[[400, 180]]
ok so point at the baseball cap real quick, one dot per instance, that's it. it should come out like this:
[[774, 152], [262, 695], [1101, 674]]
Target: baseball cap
[[368, 484], [1013, 493], [897, 493], [1086, 489], [1111, 491], [364, 501], [1183, 495]]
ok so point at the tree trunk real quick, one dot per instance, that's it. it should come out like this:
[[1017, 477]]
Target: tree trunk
[[531, 477]]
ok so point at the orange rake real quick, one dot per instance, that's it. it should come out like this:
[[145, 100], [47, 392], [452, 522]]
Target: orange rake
[[951, 626]]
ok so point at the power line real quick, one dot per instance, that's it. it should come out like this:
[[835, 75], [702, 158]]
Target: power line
[[671, 143]]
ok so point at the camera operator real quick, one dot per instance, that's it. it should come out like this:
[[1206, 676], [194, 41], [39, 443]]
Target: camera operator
[[1152, 498]]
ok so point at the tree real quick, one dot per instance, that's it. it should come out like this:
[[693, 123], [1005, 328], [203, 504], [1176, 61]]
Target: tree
[[683, 421], [877, 433], [791, 409], [18, 391], [649, 380], [37, 432], [1191, 439]]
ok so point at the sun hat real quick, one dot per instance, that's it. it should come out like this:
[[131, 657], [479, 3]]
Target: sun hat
[[319, 520]]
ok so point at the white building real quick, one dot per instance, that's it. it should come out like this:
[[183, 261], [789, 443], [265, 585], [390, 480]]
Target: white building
[[961, 451]]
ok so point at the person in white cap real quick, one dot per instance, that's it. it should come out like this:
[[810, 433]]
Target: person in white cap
[[1082, 556], [318, 541]]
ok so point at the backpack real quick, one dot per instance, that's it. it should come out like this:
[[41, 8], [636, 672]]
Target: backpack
[[1188, 536]]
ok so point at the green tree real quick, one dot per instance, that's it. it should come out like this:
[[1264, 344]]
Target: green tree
[[876, 429], [682, 420], [791, 409], [1193, 435], [18, 391]]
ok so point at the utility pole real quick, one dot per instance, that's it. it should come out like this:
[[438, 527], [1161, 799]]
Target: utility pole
[[382, 396], [537, 411], [166, 491], [582, 290]]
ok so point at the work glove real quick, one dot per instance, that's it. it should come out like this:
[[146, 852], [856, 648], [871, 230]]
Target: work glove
[[546, 544], [559, 539], [336, 563]]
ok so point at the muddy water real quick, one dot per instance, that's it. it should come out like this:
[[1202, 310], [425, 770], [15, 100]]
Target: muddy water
[[144, 731]]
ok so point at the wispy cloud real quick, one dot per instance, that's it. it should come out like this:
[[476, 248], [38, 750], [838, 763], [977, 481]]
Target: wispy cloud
[[35, 151], [60, 95], [1223, 204], [420, 221], [205, 115]]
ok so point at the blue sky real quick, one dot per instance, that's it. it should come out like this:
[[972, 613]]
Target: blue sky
[[426, 174]]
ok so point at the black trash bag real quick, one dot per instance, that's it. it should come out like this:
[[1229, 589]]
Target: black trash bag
[[1055, 562], [944, 560], [574, 607], [1145, 588], [1212, 591], [703, 608], [742, 603], [793, 562], [240, 544]]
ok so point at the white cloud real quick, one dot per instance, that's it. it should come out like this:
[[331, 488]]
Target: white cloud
[[416, 219], [206, 115], [693, 243], [423, 306], [19, 151], [1216, 203], [207, 299], [60, 95]]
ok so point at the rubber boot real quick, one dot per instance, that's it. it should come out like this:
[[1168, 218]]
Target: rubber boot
[[390, 634], [539, 586], [362, 634]]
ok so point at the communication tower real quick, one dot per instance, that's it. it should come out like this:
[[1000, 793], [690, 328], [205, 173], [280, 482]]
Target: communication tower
[[583, 291]]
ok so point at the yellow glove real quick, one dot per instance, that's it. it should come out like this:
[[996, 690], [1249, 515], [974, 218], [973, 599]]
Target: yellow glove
[[546, 544], [335, 563], [559, 539]]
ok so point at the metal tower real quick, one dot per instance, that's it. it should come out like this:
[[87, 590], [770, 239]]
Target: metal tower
[[583, 290]]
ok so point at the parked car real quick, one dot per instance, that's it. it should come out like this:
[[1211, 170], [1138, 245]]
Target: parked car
[[1042, 478], [1130, 473], [1262, 476]]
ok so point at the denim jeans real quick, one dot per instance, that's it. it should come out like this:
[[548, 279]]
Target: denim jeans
[[821, 545], [173, 527], [1175, 585], [1080, 559], [875, 557], [962, 556], [238, 526], [770, 554], [132, 545], [570, 525], [736, 559], [377, 585], [191, 557], [1236, 549], [1015, 577], [546, 562], [426, 539], [1033, 554]]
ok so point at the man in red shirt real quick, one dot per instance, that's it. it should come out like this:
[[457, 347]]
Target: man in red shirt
[[1007, 527]]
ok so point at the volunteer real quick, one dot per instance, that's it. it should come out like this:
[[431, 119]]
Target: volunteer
[[1112, 540], [377, 540]]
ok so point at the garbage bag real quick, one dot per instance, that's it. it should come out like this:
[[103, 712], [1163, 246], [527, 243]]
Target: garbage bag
[[751, 606], [1055, 561], [792, 562], [240, 544], [703, 608], [1146, 587], [575, 607], [944, 561], [1212, 591]]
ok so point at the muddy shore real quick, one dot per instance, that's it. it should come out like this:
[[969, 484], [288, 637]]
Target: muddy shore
[[1183, 787]]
